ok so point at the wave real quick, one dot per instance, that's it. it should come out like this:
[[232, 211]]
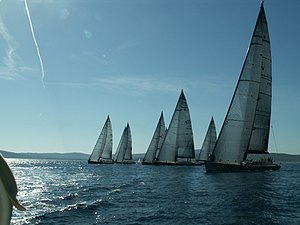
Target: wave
[[78, 213]]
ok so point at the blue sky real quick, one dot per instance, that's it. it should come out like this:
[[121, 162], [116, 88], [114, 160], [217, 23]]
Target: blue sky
[[130, 60]]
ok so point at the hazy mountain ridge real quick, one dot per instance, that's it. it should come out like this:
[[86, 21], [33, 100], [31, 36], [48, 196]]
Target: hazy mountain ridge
[[74, 155], [278, 157]]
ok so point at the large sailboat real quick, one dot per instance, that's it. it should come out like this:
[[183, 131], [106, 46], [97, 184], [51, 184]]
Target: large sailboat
[[156, 142], [209, 142], [124, 151], [178, 145], [247, 124], [102, 152]]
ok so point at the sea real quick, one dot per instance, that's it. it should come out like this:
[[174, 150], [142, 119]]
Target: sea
[[75, 192]]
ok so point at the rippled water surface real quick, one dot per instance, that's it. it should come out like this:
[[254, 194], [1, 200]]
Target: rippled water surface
[[74, 192]]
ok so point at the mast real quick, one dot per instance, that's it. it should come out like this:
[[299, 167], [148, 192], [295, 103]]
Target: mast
[[156, 141], [234, 138]]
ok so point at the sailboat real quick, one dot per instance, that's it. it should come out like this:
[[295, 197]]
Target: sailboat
[[102, 152], [247, 124], [156, 142], [178, 145], [124, 151], [209, 142]]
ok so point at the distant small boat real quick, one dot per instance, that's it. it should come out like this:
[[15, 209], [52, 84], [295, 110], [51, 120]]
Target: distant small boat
[[124, 151], [208, 143], [8, 193], [156, 142], [178, 145], [247, 124], [102, 152]]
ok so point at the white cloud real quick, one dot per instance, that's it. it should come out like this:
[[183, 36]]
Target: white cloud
[[162, 82], [126, 84], [4, 32], [68, 84], [64, 14], [143, 84], [8, 68], [42, 1], [136, 84], [87, 34]]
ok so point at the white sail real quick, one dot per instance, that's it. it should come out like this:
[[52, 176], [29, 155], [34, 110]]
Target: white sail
[[121, 149], [124, 150], [261, 128], [179, 141], [103, 147], [128, 151], [185, 141], [234, 138], [156, 141], [209, 141]]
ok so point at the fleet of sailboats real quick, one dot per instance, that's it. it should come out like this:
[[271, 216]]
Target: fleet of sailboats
[[102, 152], [245, 129]]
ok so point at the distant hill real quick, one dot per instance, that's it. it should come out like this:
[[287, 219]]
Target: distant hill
[[278, 157], [75, 155]]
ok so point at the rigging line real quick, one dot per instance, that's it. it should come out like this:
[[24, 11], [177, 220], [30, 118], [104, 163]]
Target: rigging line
[[35, 43], [274, 139]]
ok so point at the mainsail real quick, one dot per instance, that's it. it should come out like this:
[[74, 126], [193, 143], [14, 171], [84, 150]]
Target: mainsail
[[156, 141], [128, 152], [246, 125], [261, 127], [209, 141], [103, 147], [179, 141], [124, 150]]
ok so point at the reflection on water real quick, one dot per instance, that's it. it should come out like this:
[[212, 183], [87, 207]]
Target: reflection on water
[[60, 192]]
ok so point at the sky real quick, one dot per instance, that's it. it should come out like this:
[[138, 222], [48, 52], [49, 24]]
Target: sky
[[69, 65]]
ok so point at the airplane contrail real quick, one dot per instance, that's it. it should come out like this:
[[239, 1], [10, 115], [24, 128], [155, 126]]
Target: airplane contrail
[[35, 42]]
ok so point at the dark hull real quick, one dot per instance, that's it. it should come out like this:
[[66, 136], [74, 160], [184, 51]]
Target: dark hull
[[100, 162], [125, 162], [212, 167], [147, 163], [177, 163]]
